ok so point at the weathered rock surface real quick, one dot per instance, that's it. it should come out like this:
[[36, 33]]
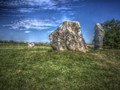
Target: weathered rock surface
[[99, 35], [68, 36]]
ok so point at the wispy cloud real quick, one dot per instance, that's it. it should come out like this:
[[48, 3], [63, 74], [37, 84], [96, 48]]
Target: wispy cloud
[[27, 32], [43, 4], [35, 24], [27, 2], [25, 10], [14, 15], [63, 8]]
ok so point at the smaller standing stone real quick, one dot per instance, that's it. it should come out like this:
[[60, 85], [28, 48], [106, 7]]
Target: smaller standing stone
[[30, 44], [99, 35]]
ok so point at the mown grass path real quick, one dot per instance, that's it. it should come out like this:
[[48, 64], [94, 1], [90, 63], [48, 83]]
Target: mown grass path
[[41, 68]]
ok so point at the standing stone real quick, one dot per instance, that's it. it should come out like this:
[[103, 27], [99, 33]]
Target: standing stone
[[30, 44], [99, 35], [68, 36]]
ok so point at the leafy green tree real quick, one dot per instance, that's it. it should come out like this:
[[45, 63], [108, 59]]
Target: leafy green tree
[[112, 34]]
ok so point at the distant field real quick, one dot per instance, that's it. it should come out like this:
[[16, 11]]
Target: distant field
[[41, 68]]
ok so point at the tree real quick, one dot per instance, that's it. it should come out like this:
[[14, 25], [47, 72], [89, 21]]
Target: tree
[[112, 34]]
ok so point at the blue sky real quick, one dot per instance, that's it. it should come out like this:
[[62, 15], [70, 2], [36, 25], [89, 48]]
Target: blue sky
[[34, 20]]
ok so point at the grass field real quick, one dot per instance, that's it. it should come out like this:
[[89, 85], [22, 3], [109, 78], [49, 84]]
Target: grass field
[[41, 68]]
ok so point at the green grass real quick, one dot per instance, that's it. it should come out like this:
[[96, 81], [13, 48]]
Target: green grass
[[41, 68]]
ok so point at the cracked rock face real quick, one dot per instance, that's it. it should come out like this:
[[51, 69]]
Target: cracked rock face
[[99, 35], [68, 36]]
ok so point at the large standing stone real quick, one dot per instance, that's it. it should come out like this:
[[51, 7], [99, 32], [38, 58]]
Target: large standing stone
[[99, 35], [68, 36]]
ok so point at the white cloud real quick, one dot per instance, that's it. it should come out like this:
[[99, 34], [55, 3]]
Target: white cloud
[[27, 31], [63, 8], [37, 24], [29, 2], [25, 10], [31, 24], [43, 4], [13, 15], [40, 2], [55, 8]]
